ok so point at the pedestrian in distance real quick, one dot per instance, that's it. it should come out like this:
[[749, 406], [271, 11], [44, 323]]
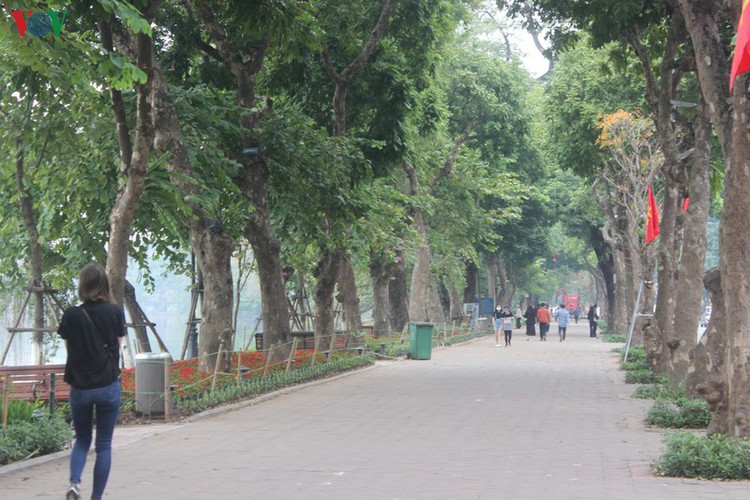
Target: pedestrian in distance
[[592, 317], [519, 315], [577, 313], [507, 323], [497, 320], [530, 316], [92, 334], [562, 317], [543, 316]]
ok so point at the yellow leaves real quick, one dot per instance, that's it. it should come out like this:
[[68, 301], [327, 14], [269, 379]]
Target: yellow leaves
[[621, 128]]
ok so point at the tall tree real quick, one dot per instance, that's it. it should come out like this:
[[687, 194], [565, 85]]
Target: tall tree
[[729, 114]]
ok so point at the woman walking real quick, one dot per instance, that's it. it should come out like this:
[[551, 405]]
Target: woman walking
[[592, 316], [530, 316], [92, 333], [518, 314], [497, 319]]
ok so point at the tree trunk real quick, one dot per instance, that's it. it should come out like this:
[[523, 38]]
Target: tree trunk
[[348, 295], [420, 275], [254, 178], [734, 243], [470, 292], [325, 273], [212, 247], [380, 298], [663, 330], [36, 285], [435, 309], [131, 305], [134, 158], [214, 254], [617, 321], [707, 373], [705, 29], [688, 289], [492, 268], [398, 295], [457, 306]]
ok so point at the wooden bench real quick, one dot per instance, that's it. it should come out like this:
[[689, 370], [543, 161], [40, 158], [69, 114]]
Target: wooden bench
[[34, 383], [306, 340]]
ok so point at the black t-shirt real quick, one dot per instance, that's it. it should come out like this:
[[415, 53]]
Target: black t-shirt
[[83, 368]]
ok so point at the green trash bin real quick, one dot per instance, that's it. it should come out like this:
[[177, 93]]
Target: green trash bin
[[421, 340]]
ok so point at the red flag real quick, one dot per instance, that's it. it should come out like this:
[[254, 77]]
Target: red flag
[[652, 216], [685, 205], [741, 60]]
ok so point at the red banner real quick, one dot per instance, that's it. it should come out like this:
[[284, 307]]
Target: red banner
[[652, 216], [741, 59]]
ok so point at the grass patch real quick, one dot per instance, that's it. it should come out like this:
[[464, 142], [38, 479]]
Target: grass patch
[[709, 457], [613, 338], [681, 414]]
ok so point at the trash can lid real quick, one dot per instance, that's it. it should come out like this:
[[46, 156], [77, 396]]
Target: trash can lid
[[423, 324], [152, 355]]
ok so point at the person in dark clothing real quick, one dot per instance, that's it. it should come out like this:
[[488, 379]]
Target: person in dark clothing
[[530, 316], [592, 317], [92, 334], [577, 313], [507, 324]]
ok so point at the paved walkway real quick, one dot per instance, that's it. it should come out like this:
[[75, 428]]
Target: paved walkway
[[539, 420]]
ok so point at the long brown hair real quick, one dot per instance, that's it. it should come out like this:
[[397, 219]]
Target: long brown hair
[[93, 283]]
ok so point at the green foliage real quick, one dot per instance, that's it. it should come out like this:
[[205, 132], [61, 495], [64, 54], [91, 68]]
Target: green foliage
[[706, 457], [644, 377], [636, 365], [583, 87], [613, 337], [24, 440], [20, 411], [680, 414], [635, 353], [655, 391]]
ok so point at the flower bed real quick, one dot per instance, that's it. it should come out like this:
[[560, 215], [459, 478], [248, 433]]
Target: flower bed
[[192, 389]]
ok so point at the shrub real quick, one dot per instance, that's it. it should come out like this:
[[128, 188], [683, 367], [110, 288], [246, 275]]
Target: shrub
[[636, 353], [637, 365], [42, 436], [20, 411], [644, 377], [655, 391], [709, 457], [681, 414], [614, 338]]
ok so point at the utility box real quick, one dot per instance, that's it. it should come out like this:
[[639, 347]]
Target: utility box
[[149, 383], [420, 346]]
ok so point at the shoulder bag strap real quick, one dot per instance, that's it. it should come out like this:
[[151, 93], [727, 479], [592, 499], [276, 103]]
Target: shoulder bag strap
[[99, 333]]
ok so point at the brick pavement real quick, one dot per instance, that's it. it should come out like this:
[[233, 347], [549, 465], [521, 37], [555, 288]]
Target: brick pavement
[[539, 420]]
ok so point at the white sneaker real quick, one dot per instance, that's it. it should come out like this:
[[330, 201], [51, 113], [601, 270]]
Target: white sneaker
[[74, 492]]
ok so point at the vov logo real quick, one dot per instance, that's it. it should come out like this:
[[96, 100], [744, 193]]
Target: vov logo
[[39, 24]]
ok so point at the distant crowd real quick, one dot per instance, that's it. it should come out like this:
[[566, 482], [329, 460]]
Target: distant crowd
[[504, 320]]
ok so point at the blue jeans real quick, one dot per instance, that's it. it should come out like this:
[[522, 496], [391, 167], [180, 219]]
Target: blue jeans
[[106, 400]]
